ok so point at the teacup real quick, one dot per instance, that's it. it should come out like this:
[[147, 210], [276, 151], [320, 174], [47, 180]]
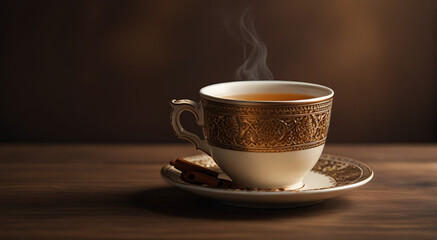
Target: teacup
[[260, 143]]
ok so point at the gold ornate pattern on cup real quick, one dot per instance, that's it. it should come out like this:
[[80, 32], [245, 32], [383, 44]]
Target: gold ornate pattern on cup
[[266, 128]]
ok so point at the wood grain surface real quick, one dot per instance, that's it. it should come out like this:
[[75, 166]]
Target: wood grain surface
[[116, 192]]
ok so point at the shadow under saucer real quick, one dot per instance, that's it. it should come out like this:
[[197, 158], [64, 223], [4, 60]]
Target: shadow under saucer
[[176, 202]]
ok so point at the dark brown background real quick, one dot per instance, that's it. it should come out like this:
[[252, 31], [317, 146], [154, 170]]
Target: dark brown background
[[104, 71]]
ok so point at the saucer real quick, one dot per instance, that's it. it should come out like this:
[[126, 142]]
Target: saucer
[[331, 176]]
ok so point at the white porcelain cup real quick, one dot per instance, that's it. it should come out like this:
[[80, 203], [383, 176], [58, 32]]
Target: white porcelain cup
[[260, 144]]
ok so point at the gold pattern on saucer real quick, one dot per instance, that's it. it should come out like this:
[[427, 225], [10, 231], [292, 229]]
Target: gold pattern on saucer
[[342, 172], [266, 128]]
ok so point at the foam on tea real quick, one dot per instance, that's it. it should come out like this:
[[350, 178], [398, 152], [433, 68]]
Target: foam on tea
[[269, 97]]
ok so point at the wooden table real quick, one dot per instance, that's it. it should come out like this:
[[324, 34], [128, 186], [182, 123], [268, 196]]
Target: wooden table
[[116, 192]]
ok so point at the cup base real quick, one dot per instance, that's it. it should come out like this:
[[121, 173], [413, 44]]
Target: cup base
[[295, 186], [267, 170]]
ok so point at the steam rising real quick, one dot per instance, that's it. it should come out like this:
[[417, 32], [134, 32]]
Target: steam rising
[[254, 66]]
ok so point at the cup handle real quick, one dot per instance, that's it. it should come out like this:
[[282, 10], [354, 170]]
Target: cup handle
[[178, 106]]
